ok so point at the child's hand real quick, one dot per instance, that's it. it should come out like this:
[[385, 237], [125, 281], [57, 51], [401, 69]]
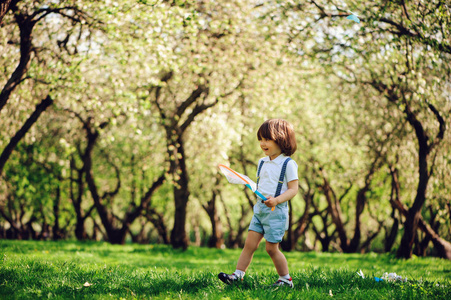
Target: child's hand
[[271, 201]]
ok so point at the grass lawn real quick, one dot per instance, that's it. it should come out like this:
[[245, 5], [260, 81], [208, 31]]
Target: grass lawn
[[66, 270]]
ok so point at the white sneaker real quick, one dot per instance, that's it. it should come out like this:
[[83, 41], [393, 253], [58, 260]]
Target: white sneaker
[[228, 278], [284, 282]]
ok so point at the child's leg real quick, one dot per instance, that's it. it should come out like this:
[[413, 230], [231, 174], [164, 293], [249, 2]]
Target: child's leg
[[279, 260], [252, 241]]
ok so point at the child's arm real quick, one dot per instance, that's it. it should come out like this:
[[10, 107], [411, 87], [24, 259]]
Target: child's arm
[[287, 195]]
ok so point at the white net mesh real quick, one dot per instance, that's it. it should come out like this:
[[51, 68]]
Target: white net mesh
[[237, 178]]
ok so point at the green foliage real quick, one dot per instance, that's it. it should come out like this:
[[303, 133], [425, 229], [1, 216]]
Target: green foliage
[[33, 185], [102, 61], [99, 271]]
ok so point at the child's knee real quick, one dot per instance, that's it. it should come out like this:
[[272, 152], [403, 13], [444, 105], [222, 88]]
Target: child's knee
[[272, 249], [250, 248]]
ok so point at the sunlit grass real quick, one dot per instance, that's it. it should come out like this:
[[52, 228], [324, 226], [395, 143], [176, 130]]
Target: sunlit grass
[[30, 270]]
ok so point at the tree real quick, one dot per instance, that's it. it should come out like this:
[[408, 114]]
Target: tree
[[116, 227], [176, 152], [398, 28], [26, 18]]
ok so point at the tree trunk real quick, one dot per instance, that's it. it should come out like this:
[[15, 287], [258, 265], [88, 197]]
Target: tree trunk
[[442, 247], [414, 213], [178, 170], [216, 239], [14, 230], [179, 238], [390, 237], [323, 236], [56, 231], [176, 153], [334, 210], [235, 240], [361, 200], [303, 222], [26, 27], [116, 235], [157, 220], [298, 228], [287, 244], [80, 231]]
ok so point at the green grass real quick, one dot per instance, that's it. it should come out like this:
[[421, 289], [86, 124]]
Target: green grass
[[33, 270]]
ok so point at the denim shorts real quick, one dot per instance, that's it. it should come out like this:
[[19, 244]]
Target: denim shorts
[[272, 224]]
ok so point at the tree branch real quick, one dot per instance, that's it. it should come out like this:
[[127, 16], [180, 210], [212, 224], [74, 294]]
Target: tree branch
[[40, 108]]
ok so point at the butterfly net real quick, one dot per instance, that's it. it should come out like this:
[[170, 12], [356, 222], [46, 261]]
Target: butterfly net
[[237, 178]]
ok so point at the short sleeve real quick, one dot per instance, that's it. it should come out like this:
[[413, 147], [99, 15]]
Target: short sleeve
[[292, 171]]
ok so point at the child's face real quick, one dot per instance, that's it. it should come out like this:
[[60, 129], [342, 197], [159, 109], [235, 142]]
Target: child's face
[[270, 148]]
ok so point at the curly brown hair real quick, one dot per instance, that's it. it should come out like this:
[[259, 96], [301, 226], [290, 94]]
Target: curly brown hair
[[281, 132]]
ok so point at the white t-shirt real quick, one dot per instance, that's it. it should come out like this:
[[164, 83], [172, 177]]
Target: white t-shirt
[[270, 172]]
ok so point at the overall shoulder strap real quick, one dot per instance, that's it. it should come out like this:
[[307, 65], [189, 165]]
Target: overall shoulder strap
[[258, 171], [282, 175]]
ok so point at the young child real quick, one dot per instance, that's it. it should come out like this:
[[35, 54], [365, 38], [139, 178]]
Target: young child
[[277, 180]]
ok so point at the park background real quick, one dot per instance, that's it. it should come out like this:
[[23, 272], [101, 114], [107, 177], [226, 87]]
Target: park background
[[115, 114]]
